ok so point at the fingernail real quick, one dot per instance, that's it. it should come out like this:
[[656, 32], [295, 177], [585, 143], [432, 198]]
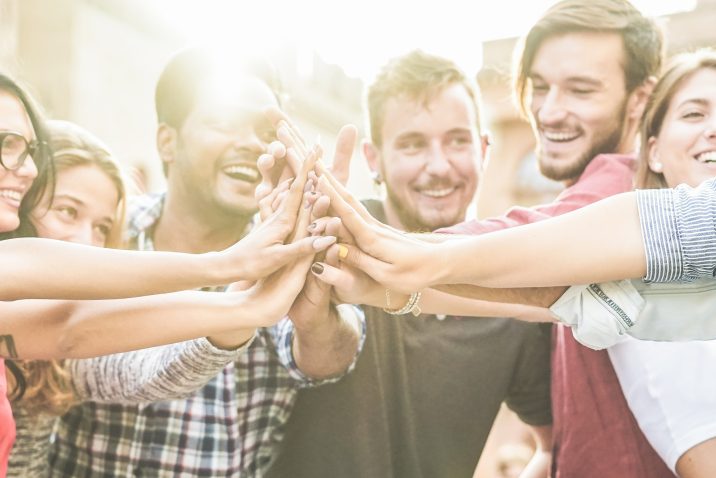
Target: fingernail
[[317, 268], [323, 242], [312, 226], [342, 251], [308, 186]]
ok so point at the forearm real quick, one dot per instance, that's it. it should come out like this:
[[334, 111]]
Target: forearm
[[533, 296], [437, 302], [599, 243], [63, 270], [328, 347], [159, 373], [78, 329]]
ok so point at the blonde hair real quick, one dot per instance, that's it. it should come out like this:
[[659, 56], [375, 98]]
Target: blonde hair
[[75, 146], [419, 76], [48, 385], [642, 39], [679, 69]]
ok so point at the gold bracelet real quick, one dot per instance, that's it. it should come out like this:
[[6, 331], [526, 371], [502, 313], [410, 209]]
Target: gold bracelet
[[410, 307]]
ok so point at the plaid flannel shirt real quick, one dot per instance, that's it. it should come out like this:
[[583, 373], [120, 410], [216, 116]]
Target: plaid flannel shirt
[[227, 428]]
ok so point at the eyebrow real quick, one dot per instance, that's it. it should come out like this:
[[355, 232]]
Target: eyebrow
[[572, 79], [69, 197], [697, 101]]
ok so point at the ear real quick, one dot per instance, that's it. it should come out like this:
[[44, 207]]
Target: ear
[[484, 144], [166, 143], [639, 97], [372, 156], [653, 156]]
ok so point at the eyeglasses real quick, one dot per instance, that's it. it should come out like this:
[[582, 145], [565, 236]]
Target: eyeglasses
[[15, 149]]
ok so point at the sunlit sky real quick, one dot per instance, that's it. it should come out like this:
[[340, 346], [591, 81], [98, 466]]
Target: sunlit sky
[[359, 36]]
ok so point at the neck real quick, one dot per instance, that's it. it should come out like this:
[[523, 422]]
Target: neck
[[183, 229]]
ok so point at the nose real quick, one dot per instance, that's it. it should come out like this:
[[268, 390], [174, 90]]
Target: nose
[[28, 169], [437, 161], [551, 109], [248, 139], [710, 130]]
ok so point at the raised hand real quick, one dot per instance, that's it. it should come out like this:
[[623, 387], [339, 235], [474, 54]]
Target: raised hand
[[265, 249], [397, 261]]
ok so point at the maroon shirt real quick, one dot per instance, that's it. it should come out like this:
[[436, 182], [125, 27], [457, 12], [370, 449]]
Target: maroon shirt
[[595, 433]]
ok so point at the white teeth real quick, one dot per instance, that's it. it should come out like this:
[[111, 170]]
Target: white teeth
[[557, 136], [707, 157], [437, 193], [11, 194], [247, 171]]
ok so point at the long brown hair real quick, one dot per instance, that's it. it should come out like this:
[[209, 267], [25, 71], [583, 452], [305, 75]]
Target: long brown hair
[[679, 69]]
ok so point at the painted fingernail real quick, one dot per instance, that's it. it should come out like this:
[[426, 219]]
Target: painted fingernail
[[342, 251], [323, 242], [317, 268]]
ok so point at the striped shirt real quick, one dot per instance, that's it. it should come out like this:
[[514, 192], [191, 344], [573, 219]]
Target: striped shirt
[[227, 428], [679, 230]]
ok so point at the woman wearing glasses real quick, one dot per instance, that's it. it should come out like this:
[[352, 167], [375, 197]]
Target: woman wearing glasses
[[42, 269]]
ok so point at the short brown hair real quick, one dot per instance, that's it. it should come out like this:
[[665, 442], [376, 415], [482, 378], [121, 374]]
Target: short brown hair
[[417, 75], [642, 38], [679, 69]]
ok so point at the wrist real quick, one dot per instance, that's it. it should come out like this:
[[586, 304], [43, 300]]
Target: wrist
[[444, 274], [226, 266]]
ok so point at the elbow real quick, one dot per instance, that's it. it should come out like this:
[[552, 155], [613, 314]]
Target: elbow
[[71, 337]]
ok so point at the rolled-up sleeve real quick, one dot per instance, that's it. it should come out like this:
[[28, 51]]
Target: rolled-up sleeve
[[679, 231], [283, 337]]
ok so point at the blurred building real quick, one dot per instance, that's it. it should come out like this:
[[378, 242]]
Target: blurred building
[[95, 62]]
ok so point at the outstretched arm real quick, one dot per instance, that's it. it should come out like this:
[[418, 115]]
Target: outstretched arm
[[47, 269], [598, 243]]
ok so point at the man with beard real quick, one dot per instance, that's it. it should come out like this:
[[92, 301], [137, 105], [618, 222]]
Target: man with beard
[[211, 132], [585, 71], [425, 390]]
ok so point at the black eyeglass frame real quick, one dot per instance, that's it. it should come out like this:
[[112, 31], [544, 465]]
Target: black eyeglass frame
[[31, 148]]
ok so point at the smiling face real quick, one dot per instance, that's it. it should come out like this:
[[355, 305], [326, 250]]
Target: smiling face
[[213, 163], [579, 100], [83, 209], [429, 159], [685, 149], [14, 184]]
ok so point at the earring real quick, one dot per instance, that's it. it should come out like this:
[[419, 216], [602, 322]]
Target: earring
[[657, 167], [377, 179]]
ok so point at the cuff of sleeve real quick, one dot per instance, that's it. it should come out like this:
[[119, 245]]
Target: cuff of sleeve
[[660, 233], [204, 348], [600, 315], [285, 349]]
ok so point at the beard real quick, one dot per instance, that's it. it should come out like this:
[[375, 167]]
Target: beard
[[604, 144], [413, 220]]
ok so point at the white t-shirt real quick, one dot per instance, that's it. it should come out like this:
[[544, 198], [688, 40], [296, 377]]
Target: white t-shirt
[[671, 391]]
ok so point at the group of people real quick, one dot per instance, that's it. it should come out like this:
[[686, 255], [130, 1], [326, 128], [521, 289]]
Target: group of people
[[339, 337]]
